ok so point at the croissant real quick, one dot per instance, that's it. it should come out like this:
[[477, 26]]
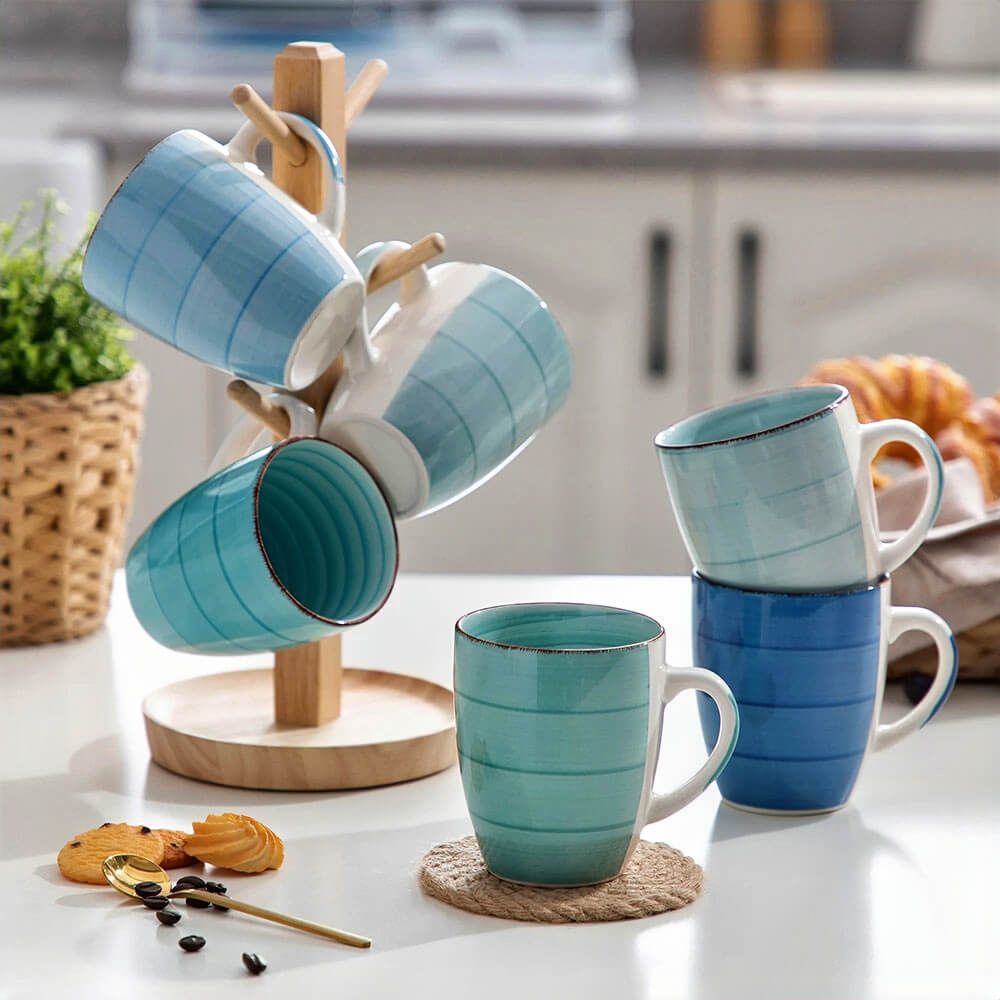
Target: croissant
[[932, 395], [976, 436]]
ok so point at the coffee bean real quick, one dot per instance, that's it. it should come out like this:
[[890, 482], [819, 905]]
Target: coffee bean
[[198, 904], [147, 889], [916, 685], [215, 887], [254, 963], [157, 902], [190, 882], [168, 917], [193, 942], [145, 829]]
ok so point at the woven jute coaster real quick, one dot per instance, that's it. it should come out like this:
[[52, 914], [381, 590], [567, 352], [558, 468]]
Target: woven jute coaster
[[658, 878]]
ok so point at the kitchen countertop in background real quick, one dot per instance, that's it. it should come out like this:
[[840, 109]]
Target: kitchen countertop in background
[[677, 121]]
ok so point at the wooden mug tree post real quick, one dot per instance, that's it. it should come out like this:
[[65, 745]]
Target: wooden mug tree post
[[282, 728]]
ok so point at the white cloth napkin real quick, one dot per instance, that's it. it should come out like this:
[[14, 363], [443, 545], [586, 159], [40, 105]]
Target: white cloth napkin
[[957, 575]]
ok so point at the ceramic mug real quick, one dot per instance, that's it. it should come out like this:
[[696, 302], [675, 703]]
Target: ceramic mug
[[808, 672], [286, 546], [559, 712], [459, 376], [774, 492], [200, 249]]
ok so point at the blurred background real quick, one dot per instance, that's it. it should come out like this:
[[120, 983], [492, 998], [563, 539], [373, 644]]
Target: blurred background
[[712, 196]]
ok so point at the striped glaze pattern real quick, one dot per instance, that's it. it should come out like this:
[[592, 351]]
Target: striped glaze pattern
[[207, 257], [489, 378], [775, 510], [808, 674], [281, 548], [552, 740]]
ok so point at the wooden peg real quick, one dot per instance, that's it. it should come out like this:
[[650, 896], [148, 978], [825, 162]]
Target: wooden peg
[[394, 266], [390, 269], [363, 89], [271, 416], [271, 125]]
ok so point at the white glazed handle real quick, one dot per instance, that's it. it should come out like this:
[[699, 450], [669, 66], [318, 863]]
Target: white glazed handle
[[921, 620], [242, 147], [694, 678], [247, 435], [883, 432]]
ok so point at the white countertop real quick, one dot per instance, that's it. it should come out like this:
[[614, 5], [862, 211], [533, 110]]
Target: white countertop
[[895, 896]]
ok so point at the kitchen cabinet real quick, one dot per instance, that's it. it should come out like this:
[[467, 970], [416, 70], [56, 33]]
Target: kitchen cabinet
[[611, 253], [807, 266], [677, 289]]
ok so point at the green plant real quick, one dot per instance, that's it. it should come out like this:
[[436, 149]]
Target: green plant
[[53, 336]]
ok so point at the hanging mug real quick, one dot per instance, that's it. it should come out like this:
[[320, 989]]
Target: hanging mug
[[456, 378], [200, 249], [453, 382]]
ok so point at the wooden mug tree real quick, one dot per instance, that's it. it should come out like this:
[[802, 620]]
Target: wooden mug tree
[[309, 723]]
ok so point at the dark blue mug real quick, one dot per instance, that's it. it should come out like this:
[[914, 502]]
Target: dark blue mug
[[808, 673]]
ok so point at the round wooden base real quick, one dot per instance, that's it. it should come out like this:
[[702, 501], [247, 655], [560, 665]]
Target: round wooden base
[[221, 729]]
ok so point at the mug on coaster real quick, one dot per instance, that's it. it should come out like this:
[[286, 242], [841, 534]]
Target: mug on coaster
[[559, 713]]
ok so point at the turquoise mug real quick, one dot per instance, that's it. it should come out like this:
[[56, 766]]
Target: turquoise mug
[[773, 492], [559, 713], [286, 546], [200, 249]]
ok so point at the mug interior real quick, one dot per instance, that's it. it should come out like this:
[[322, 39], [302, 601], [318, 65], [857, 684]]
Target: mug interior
[[559, 627], [752, 416], [326, 531]]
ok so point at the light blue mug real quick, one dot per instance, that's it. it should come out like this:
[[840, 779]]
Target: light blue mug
[[455, 381], [286, 546], [808, 672], [773, 492], [200, 249], [559, 711]]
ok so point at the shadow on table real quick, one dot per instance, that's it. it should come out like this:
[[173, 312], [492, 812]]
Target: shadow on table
[[791, 904]]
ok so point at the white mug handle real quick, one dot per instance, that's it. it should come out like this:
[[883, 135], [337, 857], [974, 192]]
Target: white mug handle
[[921, 620], [247, 434], [242, 147], [694, 678], [883, 432]]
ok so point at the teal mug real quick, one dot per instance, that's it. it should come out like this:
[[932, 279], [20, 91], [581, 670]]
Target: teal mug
[[285, 546], [773, 492], [559, 712]]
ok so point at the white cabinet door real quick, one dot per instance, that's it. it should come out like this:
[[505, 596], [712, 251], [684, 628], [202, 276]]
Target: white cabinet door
[[813, 266], [586, 495]]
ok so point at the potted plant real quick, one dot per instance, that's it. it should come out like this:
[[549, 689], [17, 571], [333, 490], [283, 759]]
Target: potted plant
[[71, 400]]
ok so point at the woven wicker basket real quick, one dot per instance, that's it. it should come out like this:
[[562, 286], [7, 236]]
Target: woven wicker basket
[[68, 466]]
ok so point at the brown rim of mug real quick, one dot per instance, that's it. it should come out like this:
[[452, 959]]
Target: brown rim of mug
[[558, 604], [124, 181], [805, 418], [260, 541]]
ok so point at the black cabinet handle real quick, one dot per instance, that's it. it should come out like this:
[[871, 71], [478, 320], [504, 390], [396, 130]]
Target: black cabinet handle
[[748, 266], [658, 330]]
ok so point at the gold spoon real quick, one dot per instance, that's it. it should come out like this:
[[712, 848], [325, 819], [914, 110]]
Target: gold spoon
[[126, 871]]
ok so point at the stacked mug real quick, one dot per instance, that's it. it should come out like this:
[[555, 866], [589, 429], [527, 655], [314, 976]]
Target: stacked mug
[[791, 588], [295, 541]]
